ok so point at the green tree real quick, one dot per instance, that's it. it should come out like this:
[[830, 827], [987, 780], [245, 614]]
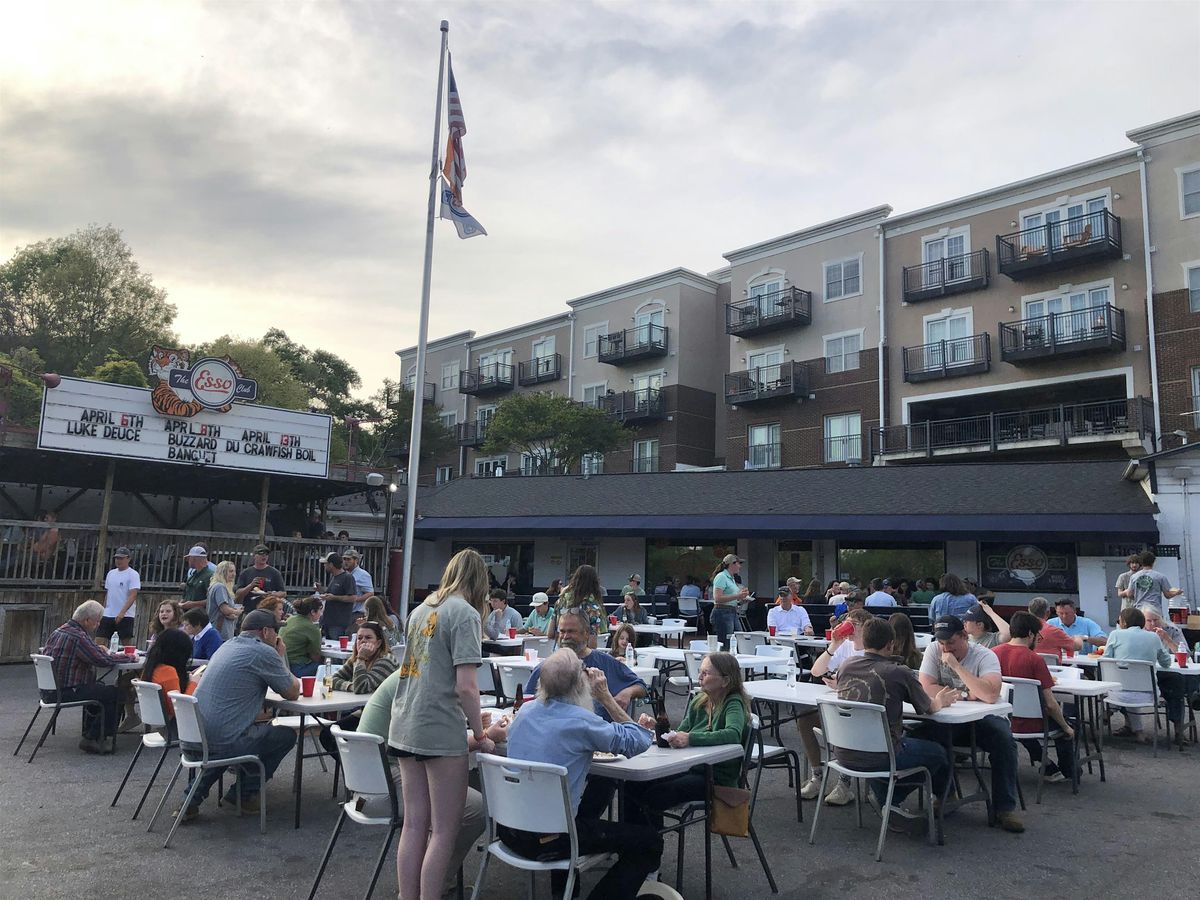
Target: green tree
[[555, 431], [328, 377], [384, 441], [75, 299], [121, 371], [22, 391], [277, 386]]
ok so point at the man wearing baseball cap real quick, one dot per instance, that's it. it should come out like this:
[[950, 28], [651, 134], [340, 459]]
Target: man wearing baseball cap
[[200, 570], [121, 586], [258, 581], [230, 696], [364, 587]]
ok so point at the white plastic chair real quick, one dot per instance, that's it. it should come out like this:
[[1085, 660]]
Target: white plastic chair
[[485, 680], [922, 640], [191, 731], [863, 727], [700, 646], [602, 640], [365, 769], [1132, 675], [512, 682], [43, 666], [529, 796], [782, 652], [674, 623], [544, 646], [154, 717], [1028, 703], [1051, 659], [691, 668], [749, 641]]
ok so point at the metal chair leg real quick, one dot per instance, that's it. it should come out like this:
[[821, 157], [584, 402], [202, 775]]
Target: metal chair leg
[[312, 892], [387, 842], [729, 850], [150, 784], [483, 866], [812, 835], [166, 794], [887, 814], [45, 734], [762, 858], [183, 808], [37, 712]]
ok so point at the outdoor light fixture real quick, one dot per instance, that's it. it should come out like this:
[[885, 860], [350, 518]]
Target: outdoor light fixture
[[374, 479], [393, 487]]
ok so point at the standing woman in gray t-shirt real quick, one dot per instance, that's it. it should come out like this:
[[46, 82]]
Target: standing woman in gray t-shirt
[[437, 699]]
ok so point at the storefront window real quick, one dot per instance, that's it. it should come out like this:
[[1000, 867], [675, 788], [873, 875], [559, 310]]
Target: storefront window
[[794, 560], [680, 558], [863, 561], [504, 559]]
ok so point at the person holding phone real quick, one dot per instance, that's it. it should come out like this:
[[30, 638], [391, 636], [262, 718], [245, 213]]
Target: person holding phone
[[727, 594]]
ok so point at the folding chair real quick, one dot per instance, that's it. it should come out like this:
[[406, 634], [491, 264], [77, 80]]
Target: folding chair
[[529, 796], [512, 683], [543, 646], [691, 668], [749, 641], [1132, 675], [863, 727], [154, 717], [1028, 703], [191, 731], [43, 666]]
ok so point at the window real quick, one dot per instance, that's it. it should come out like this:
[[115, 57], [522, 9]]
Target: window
[[681, 557], [591, 337], [536, 465], [1189, 193], [543, 356], [793, 559], [592, 464], [410, 380], [843, 437], [766, 295], [1078, 221], [952, 251], [841, 351], [644, 385], [1193, 285], [1194, 400], [949, 334], [494, 358], [649, 326], [645, 456], [449, 419], [484, 414], [445, 474], [763, 451], [843, 278], [490, 467], [580, 556], [765, 366], [450, 375], [592, 393], [1075, 315], [864, 560]]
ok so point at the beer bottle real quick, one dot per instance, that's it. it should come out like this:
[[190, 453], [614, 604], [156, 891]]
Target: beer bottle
[[661, 723]]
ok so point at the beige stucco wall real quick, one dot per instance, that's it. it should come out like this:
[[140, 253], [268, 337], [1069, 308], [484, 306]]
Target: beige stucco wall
[[1176, 240]]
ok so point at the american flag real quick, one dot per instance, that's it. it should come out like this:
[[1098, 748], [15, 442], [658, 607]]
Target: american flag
[[455, 168]]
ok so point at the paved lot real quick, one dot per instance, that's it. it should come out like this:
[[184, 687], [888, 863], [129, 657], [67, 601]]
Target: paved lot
[[1134, 836]]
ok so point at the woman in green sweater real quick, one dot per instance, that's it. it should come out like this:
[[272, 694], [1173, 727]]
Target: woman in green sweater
[[719, 714]]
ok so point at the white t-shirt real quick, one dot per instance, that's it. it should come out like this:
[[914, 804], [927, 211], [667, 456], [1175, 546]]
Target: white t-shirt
[[844, 651], [881, 598], [794, 619], [117, 585]]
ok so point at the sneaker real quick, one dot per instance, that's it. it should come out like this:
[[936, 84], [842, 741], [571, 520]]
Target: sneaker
[[131, 723], [1053, 775], [91, 745], [811, 788], [840, 795], [191, 814], [1010, 821]]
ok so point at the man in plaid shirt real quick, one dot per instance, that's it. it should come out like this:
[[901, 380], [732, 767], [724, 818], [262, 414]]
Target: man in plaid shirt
[[76, 657]]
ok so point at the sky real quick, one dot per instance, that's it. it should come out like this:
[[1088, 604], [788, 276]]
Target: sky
[[268, 160]]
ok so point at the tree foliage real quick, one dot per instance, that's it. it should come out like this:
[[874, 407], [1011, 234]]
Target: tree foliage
[[80, 298], [277, 386], [555, 431], [23, 392], [328, 378], [121, 371], [384, 443]]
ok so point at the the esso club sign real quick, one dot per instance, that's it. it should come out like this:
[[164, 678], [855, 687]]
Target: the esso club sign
[[214, 383]]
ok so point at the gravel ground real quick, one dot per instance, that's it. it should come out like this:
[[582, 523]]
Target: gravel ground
[[59, 838]]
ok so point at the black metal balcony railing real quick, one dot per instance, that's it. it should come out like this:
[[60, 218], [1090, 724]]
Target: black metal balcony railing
[[643, 405], [847, 449], [642, 342], [943, 277], [778, 309], [1062, 423], [1058, 245], [491, 378], [945, 359], [764, 456], [540, 369], [645, 463], [789, 379], [396, 396], [1058, 335], [470, 434]]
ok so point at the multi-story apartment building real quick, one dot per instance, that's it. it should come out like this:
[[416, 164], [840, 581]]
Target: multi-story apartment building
[[1169, 155], [1016, 320], [804, 378]]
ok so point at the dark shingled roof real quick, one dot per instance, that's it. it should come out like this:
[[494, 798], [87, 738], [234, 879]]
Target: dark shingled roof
[[1064, 500]]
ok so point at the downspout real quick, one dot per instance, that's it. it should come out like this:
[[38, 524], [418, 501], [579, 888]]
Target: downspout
[[882, 331], [1153, 338], [571, 359], [462, 450]]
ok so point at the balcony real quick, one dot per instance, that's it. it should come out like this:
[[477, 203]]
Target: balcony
[[845, 449], [1101, 421], [397, 397], [1065, 334], [540, 370], [943, 277], [783, 381], [632, 344], [644, 464], [470, 434], [768, 312], [1059, 245], [764, 456], [628, 407], [948, 359], [491, 378]]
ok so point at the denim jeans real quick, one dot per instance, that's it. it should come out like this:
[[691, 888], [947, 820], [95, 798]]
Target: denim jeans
[[994, 736], [724, 622], [300, 670], [646, 800], [109, 696], [912, 753], [1171, 689], [268, 742]]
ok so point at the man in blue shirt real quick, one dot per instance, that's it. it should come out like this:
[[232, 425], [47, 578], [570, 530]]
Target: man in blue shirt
[[1076, 625], [362, 579], [560, 728]]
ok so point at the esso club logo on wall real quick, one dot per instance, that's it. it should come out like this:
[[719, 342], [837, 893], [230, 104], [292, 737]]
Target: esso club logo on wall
[[183, 389], [214, 383]]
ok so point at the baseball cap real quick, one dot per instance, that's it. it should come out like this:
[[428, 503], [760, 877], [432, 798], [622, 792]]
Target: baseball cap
[[334, 560], [540, 597], [947, 627], [730, 559], [197, 551], [784, 589], [259, 619], [121, 551], [262, 548], [975, 614]]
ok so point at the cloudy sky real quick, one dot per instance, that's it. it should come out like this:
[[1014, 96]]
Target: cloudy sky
[[267, 160]]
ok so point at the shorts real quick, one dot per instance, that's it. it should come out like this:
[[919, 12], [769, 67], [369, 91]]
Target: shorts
[[404, 754], [124, 628]]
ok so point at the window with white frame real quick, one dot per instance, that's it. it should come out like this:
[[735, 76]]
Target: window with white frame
[[592, 393], [448, 419], [450, 375], [947, 258], [948, 339], [763, 450], [1194, 408], [650, 324], [1189, 192], [591, 337], [1193, 286], [765, 366], [843, 278], [1079, 220], [536, 465], [1074, 315], [445, 474], [645, 456], [766, 293], [843, 437], [489, 467], [842, 351], [410, 380], [543, 355], [592, 464]]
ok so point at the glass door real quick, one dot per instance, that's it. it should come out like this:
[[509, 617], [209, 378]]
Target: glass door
[[543, 356], [766, 297], [955, 331], [647, 333], [766, 368]]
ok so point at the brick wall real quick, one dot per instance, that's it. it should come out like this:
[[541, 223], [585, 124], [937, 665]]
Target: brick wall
[[1178, 344], [685, 436]]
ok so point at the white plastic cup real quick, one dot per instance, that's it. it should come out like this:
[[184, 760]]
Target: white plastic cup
[[713, 644], [531, 655]]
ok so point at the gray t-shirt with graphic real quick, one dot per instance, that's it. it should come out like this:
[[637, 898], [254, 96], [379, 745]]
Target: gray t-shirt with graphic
[[979, 661], [1150, 587]]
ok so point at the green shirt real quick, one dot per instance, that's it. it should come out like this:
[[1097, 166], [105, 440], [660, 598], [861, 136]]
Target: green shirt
[[302, 636], [729, 589], [196, 587], [377, 714], [538, 621], [923, 597], [728, 726]]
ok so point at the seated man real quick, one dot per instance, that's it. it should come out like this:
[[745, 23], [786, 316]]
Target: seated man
[[205, 638], [230, 696], [572, 635], [1051, 639], [559, 727], [877, 677], [788, 616], [849, 603], [1076, 625], [502, 617], [1017, 660], [538, 621], [975, 622], [76, 657], [974, 671]]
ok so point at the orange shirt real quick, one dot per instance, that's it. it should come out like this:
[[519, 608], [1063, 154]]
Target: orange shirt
[[1052, 639], [168, 679]]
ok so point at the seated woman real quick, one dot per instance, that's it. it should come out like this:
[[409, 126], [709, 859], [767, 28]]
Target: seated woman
[[719, 714], [167, 666], [369, 664], [622, 636], [169, 615], [302, 636], [1132, 641], [205, 638], [631, 611], [376, 611], [904, 647]]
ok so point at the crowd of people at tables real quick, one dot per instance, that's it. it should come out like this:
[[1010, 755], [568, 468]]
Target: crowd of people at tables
[[426, 702]]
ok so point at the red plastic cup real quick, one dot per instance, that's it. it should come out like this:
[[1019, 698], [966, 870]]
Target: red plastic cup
[[131, 650], [308, 684], [612, 620], [512, 633], [1068, 652], [1181, 660], [829, 634], [344, 642], [771, 630]]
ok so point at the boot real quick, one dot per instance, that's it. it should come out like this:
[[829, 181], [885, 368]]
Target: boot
[[131, 722]]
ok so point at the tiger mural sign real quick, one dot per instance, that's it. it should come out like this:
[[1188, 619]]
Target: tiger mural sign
[[196, 414]]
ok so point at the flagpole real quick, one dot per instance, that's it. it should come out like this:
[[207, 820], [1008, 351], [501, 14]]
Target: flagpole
[[414, 441]]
